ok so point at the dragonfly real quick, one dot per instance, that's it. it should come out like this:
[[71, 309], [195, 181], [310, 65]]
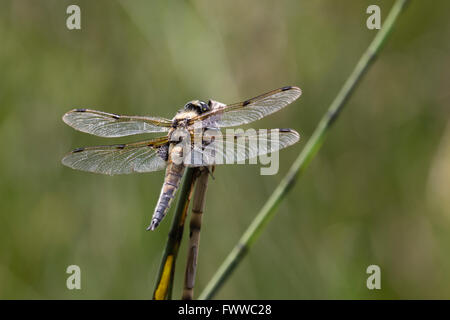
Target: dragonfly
[[159, 153]]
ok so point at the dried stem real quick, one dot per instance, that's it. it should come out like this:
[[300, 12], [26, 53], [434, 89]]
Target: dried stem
[[194, 236], [309, 151], [164, 282]]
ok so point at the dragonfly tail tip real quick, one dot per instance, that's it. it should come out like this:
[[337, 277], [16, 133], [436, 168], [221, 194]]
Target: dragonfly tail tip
[[153, 225]]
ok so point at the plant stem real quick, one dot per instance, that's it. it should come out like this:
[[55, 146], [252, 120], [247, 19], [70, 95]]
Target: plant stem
[[195, 225], [164, 282], [309, 151]]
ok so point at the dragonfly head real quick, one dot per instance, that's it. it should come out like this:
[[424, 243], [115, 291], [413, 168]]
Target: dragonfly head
[[197, 106]]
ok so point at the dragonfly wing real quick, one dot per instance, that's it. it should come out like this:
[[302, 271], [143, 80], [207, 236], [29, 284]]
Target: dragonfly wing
[[112, 125], [249, 110], [236, 148], [144, 156]]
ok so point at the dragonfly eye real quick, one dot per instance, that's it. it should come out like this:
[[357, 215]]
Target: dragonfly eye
[[198, 106], [192, 106], [188, 106], [204, 107]]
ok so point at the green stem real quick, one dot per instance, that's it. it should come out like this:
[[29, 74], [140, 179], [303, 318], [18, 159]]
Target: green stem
[[195, 226], [309, 151], [164, 281]]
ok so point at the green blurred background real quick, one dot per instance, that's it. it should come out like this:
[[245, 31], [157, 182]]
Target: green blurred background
[[377, 192]]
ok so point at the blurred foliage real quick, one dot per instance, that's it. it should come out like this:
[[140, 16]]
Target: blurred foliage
[[377, 193]]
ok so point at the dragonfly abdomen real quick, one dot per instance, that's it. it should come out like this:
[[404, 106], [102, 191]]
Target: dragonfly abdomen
[[174, 173]]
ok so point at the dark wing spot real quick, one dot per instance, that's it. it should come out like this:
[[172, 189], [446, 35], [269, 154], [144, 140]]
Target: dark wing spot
[[246, 102], [163, 152], [115, 116], [120, 146], [78, 150], [285, 130], [286, 88], [80, 110]]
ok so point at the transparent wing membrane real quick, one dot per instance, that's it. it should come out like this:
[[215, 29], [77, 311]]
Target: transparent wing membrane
[[112, 125], [236, 148], [249, 110], [141, 156]]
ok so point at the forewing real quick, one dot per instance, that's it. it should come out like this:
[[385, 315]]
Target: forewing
[[249, 110], [112, 125], [144, 156], [236, 148]]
